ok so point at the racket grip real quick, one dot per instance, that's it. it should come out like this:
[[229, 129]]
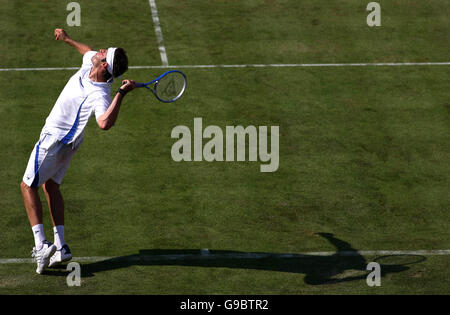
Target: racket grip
[[139, 84]]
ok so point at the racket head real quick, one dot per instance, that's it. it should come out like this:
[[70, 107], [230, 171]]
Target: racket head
[[399, 259], [170, 86]]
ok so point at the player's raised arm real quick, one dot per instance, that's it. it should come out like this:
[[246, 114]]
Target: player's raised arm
[[61, 34], [108, 119]]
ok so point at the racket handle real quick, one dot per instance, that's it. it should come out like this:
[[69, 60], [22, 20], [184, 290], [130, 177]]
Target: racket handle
[[139, 84]]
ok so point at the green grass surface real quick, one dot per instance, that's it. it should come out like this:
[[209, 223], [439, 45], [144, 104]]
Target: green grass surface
[[223, 277], [364, 151]]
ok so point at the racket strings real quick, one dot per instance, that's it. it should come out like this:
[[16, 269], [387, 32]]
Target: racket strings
[[171, 86]]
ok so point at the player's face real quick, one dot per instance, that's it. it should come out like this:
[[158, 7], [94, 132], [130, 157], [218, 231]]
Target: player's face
[[99, 57]]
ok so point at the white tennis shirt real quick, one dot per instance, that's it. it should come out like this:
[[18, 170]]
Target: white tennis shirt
[[80, 99]]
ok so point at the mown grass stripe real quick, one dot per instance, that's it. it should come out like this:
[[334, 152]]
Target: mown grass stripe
[[292, 65]]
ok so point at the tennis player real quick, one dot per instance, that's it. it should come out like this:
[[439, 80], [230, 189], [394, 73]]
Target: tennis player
[[86, 94]]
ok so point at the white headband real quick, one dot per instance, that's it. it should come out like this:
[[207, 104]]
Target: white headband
[[110, 59]]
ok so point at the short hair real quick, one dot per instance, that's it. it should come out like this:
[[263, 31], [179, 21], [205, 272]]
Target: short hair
[[120, 65], [120, 62]]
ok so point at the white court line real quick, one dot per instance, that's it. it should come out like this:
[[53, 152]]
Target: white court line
[[292, 65], [39, 69], [158, 32], [295, 65], [206, 255]]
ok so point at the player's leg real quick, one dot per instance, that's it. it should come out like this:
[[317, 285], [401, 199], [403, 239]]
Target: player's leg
[[55, 202], [32, 203], [38, 168], [29, 188], [56, 205]]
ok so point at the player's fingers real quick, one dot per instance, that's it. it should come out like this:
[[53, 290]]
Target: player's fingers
[[58, 34]]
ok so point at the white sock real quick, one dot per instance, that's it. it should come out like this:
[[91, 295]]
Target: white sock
[[59, 236], [39, 237]]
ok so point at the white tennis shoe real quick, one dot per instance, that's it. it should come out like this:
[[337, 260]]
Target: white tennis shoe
[[43, 255], [60, 256]]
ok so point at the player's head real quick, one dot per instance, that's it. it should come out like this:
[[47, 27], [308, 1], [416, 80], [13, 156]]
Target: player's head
[[113, 62], [117, 62]]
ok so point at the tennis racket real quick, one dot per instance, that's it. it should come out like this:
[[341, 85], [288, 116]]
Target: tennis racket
[[168, 87]]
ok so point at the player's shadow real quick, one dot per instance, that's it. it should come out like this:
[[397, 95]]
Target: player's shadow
[[344, 265]]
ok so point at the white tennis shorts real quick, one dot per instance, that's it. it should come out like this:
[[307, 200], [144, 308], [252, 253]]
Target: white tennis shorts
[[50, 159]]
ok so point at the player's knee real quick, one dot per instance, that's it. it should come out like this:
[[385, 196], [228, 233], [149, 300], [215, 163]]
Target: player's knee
[[50, 186], [24, 186], [46, 187]]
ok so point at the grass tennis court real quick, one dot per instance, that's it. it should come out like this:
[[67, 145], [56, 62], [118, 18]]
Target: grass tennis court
[[364, 151]]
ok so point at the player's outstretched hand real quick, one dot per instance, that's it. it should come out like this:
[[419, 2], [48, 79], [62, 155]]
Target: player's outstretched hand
[[61, 34], [128, 85]]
